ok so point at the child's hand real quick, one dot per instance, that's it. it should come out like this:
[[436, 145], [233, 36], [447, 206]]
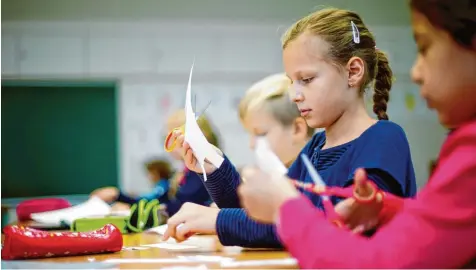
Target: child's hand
[[107, 194], [191, 219], [262, 195], [360, 217], [119, 206], [188, 157]]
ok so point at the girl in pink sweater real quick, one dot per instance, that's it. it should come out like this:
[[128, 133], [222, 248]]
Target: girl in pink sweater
[[437, 229]]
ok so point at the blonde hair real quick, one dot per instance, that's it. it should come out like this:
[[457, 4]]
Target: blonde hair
[[272, 94], [335, 27], [209, 132]]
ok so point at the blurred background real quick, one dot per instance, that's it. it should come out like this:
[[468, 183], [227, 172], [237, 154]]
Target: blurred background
[[87, 85]]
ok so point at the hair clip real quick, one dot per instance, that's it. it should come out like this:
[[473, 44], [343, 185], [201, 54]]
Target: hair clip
[[355, 32]]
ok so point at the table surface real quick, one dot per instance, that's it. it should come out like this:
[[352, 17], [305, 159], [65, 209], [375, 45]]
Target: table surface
[[205, 245]]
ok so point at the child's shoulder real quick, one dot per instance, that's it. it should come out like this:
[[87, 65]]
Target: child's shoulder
[[384, 131]]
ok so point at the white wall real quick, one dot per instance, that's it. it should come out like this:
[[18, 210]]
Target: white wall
[[151, 59]]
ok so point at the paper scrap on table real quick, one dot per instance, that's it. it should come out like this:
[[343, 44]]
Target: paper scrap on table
[[144, 260], [92, 207], [267, 159], [253, 263], [159, 229], [205, 258], [199, 267], [135, 248], [170, 246], [201, 148]]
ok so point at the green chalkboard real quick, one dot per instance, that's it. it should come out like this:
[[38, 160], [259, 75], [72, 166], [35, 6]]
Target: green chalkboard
[[58, 138]]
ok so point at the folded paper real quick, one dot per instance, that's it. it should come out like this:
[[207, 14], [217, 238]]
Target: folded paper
[[201, 148], [267, 159]]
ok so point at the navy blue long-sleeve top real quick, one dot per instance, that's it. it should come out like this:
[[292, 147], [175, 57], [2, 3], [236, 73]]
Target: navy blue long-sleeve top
[[383, 150], [191, 189], [160, 192]]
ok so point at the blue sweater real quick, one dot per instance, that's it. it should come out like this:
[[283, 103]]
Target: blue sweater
[[383, 150]]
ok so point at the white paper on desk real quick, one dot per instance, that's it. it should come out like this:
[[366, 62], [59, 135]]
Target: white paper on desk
[[170, 246], [253, 263], [267, 159], [205, 258], [201, 148], [199, 267], [158, 230], [92, 207]]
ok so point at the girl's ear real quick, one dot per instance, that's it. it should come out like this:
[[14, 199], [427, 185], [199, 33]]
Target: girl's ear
[[356, 70], [299, 130]]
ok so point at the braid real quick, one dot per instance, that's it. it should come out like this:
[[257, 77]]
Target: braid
[[383, 84]]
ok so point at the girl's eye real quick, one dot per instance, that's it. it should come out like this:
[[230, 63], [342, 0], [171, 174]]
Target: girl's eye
[[261, 134], [422, 49], [306, 81]]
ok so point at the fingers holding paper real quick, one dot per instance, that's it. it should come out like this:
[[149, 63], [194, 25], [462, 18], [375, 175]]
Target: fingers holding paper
[[262, 194], [188, 156], [189, 220]]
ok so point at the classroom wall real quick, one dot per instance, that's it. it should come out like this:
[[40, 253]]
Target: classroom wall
[[150, 45]]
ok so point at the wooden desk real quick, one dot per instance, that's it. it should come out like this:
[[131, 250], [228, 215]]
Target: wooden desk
[[206, 245]]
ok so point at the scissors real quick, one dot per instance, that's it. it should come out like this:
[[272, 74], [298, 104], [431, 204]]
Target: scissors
[[170, 144], [320, 188]]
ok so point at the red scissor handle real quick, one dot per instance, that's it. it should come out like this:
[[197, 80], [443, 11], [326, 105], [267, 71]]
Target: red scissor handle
[[375, 195]]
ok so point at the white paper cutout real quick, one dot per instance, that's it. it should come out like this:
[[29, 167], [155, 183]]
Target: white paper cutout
[[201, 148], [92, 207], [267, 159]]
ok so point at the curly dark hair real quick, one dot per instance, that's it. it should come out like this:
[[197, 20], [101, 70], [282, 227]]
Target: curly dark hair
[[456, 17], [161, 167]]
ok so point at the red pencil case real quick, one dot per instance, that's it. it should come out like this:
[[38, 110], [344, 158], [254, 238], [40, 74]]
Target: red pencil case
[[28, 207], [27, 243]]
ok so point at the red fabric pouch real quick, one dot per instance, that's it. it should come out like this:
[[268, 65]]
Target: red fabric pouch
[[28, 207], [27, 243]]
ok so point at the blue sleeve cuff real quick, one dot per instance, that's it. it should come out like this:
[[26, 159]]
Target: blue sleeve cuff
[[235, 228], [222, 185], [126, 199]]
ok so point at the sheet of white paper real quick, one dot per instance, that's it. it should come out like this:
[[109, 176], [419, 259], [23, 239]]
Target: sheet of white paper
[[200, 267], [253, 263], [158, 230], [93, 207], [205, 258], [170, 246], [267, 159], [202, 149], [151, 260]]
